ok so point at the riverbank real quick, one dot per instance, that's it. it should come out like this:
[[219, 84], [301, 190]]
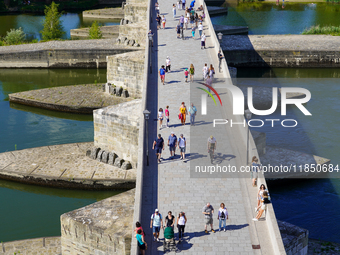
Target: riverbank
[[75, 99], [63, 166]]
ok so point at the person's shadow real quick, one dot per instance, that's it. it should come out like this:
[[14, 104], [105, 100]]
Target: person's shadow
[[219, 157]]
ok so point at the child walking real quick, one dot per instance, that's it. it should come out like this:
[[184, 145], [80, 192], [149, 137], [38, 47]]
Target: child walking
[[186, 74], [167, 116]]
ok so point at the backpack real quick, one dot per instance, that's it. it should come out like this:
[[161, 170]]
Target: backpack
[[222, 217]]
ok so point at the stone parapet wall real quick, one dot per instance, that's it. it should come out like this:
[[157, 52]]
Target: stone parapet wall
[[136, 32], [126, 71], [100, 228], [116, 129], [135, 13]]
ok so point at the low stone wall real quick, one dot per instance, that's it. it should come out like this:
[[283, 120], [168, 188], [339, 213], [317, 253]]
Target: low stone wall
[[116, 129], [126, 71], [109, 13], [107, 32], [260, 141], [295, 239], [100, 228], [59, 58]]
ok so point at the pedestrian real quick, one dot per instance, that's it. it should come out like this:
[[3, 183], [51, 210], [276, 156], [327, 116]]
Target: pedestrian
[[192, 18], [205, 71], [186, 23], [192, 113], [182, 143], [179, 4], [163, 21], [158, 19], [222, 217], [220, 57], [192, 72], [196, 18], [178, 30], [150, 36], [172, 143], [167, 116], [211, 72], [162, 74], [203, 41], [260, 196], [183, 4], [157, 8], [255, 167], [264, 202], [193, 28], [183, 112], [200, 29], [140, 241], [160, 117], [170, 220], [168, 64], [139, 226], [212, 144], [156, 224], [186, 74], [181, 20], [208, 211], [208, 81], [174, 10], [158, 145], [181, 221]]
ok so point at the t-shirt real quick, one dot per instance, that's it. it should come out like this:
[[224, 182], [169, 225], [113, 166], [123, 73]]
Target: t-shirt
[[169, 222], [203, 38], [209, 81], [158, 19], [159, 143], [162, 71], [255, 167], [168, 61], [156, 219], [185, 20], [224, 210], [219, 55], [192, 110], [181, 142], [150, 35], [193, 28], [200, 27], [212, 142], [186, 73], [172, 140], [166, 113], [139, 239], [181, 19], [164, 20], [208, 210]]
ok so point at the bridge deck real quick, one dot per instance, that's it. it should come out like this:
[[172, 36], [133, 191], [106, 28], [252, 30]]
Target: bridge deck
[[168, 186]]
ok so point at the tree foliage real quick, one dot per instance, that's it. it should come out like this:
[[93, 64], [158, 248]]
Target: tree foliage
[[94, 32], [15, 36], [53, 28]]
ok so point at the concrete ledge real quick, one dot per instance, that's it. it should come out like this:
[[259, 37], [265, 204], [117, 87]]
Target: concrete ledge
[[42, 245], [63, 166], [76, 99], [108, 13]]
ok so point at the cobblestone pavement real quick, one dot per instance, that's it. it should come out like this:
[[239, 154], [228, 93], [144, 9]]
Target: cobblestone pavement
[[176, 190]]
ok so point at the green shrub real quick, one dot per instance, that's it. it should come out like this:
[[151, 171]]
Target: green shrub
[[53, 28], [94, 32], [317, 30], [15, 36]]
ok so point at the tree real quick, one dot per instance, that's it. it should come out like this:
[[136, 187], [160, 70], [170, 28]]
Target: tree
[[53, 28], [15, 36], [94, 32]]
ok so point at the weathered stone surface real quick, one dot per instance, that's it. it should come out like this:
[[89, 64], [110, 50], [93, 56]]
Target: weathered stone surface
[[107, 13], [119, 92], [100, 228], [94, 152], [88, 153], [126, 165], [105, 157], [118, 162], [112, 158], [108, 32], [125, 93], [99, 155]]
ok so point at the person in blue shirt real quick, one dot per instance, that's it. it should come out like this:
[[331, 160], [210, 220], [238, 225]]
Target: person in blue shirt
[[192, 113], [140, 241], [172, 143], [158, 144], [162, 74]]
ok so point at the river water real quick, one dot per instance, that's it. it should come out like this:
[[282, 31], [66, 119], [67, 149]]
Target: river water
[[29, 211]]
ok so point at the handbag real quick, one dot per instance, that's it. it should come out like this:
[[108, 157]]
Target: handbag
[[180, 116]]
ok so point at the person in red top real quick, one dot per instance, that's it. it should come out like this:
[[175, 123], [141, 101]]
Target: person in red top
[[186, 74], [139, 226], [167, 116]]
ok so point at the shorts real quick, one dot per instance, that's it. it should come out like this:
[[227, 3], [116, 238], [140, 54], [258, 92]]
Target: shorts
[[162, 76], [182, 149], [142, 247], [254, 175], [263, 206], [155, 229], [172, 148], [186, 76], [202, 43], [208, 221], [159, 150]]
